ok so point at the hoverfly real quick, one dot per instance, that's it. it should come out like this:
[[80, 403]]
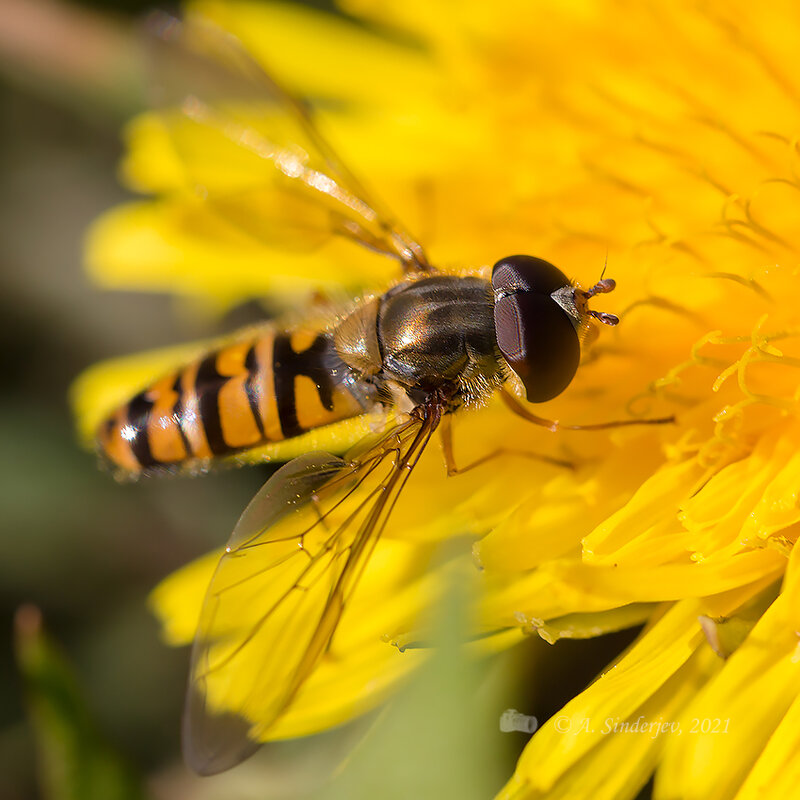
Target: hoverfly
[[428, 346]]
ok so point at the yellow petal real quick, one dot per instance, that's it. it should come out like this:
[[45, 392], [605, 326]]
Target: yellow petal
[[177, 600], [631, 747], [749, 696], [186, 247], [585, 626], [643, 517], [618, 693], [361, 666], [349, 62], [571, 504], [777, 771], [565, 586]]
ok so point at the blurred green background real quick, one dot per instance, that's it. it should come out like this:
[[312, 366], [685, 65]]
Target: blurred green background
[[100, 716]]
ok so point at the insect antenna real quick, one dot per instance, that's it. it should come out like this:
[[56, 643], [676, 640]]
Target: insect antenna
[[605, 265]]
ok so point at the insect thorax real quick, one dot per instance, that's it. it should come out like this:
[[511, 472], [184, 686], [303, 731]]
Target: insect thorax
[[426, 335]]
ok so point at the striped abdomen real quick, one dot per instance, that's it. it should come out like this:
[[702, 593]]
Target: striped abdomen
[[270, 387]]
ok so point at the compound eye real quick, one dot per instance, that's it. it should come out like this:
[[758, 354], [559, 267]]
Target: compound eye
[[527, 274], [534, 333]]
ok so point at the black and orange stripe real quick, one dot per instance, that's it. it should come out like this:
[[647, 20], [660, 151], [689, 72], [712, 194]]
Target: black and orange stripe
[[266, 388]]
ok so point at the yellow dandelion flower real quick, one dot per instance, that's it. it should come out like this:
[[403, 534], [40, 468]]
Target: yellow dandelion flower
[[664, 135]]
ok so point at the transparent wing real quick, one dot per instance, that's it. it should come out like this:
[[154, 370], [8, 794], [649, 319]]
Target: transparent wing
[[292, 189], [279, 590]]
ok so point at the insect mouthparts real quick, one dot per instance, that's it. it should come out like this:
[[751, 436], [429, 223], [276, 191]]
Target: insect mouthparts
[[603, 286]]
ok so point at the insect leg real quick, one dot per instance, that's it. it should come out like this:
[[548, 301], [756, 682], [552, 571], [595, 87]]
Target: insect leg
[[554, 425], [446, 432]]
